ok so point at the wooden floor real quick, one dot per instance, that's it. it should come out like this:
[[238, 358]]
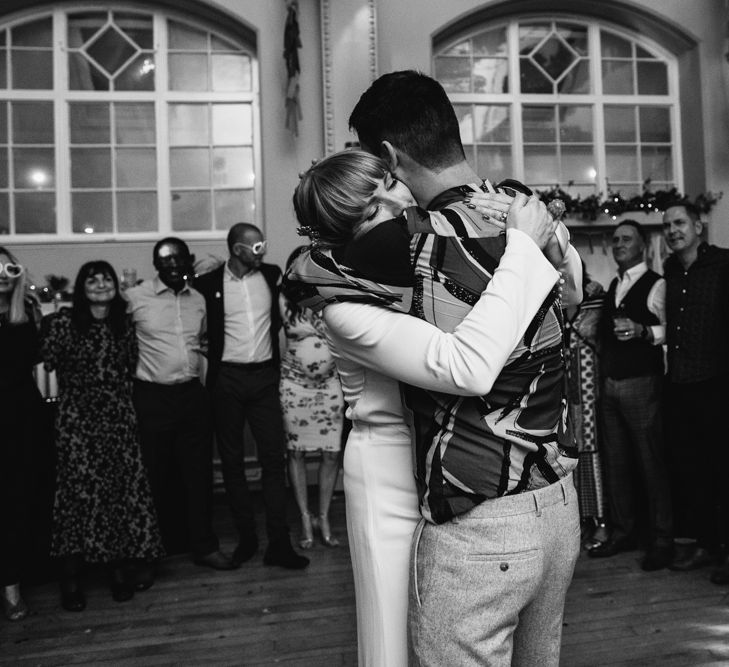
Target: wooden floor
[[616, 615]]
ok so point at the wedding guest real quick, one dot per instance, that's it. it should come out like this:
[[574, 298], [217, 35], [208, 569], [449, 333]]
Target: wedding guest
[[21, 406], [103, 510], [313, 411]]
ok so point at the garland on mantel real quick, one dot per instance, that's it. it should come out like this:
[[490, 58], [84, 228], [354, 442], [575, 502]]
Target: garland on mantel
[[614, 205]]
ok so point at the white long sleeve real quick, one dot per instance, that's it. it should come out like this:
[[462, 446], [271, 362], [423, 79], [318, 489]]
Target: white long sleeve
[[466, 361]]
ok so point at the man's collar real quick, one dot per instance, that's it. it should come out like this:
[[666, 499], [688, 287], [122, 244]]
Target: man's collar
[[231, 276], [160, 287], [457, 193], [634, 272]]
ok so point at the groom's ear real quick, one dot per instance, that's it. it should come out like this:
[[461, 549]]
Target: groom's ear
[[390, 155]]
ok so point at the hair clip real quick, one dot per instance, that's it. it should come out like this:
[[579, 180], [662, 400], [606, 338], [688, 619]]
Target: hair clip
[[313, 234]]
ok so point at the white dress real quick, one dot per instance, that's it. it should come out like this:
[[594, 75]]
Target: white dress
[[373, 345]]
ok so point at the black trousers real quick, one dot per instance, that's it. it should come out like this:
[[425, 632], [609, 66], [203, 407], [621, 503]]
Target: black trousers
[[243, 395], [176, 434], [699, 455]]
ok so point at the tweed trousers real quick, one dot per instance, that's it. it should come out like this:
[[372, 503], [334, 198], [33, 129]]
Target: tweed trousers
[[488, 587]]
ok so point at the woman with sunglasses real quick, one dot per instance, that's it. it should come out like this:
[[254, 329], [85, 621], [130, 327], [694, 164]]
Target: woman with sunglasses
[[103, 510], [21, 406]]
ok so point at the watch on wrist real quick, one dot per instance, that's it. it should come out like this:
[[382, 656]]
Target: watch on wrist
[[644, 332]]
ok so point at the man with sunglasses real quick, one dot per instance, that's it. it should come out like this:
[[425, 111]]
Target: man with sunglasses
[[243, 318]]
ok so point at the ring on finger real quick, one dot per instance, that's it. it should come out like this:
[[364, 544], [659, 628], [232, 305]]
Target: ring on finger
[[502, 216]]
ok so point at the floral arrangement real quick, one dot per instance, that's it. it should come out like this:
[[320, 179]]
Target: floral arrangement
[[589, 208]]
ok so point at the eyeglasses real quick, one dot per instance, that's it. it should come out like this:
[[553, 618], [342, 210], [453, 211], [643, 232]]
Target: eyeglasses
[[11, 269], [258, 248]]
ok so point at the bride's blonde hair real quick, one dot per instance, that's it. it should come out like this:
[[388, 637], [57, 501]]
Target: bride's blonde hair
[[17, 313], [336, 194]]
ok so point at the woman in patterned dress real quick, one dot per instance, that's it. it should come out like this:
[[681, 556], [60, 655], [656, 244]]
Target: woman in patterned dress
[[581, 324], [103, 510], [313, 409]]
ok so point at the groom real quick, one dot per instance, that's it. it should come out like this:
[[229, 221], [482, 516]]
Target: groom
[[495, 551]]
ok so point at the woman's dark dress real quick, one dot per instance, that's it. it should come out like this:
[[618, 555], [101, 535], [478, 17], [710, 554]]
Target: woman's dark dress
[[103, 507], [21, 408]]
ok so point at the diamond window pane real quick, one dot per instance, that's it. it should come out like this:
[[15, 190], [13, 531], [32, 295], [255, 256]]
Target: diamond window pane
[[494, 163], [532, 79], [91, 212], [84, 75], [531, 35], [136, 212], [613, 46], [233, 167], [231, 72], [136, 167], [454, 74], [181, 36], [35, 212], [82, 27], [657, 163], [541, 165], [538, 123], [492, 123], [190, 167], [575, 123], [34, 168], [135, 123], [91, 167], [577, 80], [554, 57], [137, 75], [90, 123], [138, 27], [33, 33], [575, 36], [232, 206], [619, 124], [621, 163], [491, 75], [232, 124], [491, 43], [188, 125], [617, 77], [578, 164], [32, 122], [188, 72], [655, 124], [191, 211], [4, 213], [652, 78], [31, 70], [111, 50]]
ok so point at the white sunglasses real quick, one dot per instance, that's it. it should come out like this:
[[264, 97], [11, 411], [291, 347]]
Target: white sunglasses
[[11, 269], [258, 248]]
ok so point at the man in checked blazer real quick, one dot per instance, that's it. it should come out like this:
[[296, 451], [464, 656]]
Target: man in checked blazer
[[243, 320]]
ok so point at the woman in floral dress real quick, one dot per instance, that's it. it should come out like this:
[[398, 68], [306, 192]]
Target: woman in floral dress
[[103, 510], [313, 409]]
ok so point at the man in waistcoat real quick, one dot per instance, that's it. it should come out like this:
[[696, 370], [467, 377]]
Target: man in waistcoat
[[632, 331]]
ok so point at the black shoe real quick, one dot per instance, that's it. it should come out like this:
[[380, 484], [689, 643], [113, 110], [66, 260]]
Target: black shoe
[[657, 558], [245, 550], [612, 548], [695, 558], [142, 576], [282, 554], [217, 560], [121, 591], [721, 574], [72, 597]]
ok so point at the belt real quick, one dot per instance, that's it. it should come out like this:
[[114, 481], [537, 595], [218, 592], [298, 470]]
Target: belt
[[253, 366]]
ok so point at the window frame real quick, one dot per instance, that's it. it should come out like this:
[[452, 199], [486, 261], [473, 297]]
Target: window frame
[[162, 97], [515, 99]]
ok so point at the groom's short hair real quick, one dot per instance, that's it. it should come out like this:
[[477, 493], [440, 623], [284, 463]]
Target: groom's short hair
[[411, 111]]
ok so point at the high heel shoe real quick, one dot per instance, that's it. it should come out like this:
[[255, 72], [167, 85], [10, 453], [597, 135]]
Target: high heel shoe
[[72, 597], [14, 606], [307, 531], [327, 539], [121, 589]]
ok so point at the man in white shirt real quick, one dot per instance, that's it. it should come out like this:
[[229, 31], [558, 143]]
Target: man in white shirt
[[243, 316], [171, 403], [633, 329]]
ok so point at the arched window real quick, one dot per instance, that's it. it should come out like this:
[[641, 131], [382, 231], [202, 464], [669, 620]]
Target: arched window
[[576, 103], [119, 122]]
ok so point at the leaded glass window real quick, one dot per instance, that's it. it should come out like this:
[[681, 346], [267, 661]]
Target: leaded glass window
[[564, 102], [150, 121]]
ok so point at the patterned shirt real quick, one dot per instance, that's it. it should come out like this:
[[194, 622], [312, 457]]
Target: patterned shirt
[[471, 449], [697, 315]]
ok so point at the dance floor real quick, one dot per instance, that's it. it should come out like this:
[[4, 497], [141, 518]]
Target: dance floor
[[616, 615]]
